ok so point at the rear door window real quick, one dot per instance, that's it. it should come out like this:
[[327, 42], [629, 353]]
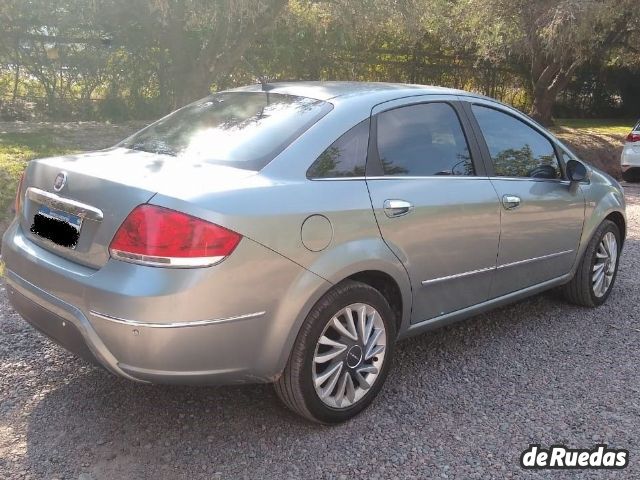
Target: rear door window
[[423, 140]]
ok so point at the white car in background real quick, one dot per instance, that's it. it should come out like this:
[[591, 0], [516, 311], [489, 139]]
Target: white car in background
[[630, 159]]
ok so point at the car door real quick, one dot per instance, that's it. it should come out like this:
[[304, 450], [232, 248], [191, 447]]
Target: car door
[[542, 213], [435, 207]]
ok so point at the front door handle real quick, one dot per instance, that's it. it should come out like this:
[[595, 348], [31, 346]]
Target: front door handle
[[509, 202], [397, 208]]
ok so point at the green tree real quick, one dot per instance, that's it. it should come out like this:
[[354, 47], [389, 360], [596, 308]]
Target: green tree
[[552, 38], [204, 39]]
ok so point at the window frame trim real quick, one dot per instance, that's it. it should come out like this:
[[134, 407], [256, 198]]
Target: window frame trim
[[374, 168], [468, 103]]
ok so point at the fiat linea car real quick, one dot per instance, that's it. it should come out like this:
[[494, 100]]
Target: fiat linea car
[[293, 232]]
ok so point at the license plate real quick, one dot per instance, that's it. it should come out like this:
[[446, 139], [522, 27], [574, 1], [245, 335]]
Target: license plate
[[60, 227]]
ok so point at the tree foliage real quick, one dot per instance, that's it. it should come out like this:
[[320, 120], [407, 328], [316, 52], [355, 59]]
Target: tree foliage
[[117, 58], [553, 38]]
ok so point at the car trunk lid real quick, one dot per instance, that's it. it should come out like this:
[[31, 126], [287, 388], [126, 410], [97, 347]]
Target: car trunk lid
[[102, 188]]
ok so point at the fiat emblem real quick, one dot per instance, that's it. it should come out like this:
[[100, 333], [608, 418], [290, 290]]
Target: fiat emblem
[[60, 181]]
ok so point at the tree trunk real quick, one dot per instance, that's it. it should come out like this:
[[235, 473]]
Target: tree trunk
[[16, 81], [217, 58], [191, 85], [542, 108], [548, 81]]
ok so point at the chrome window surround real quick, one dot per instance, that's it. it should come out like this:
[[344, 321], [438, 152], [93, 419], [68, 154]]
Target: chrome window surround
[[442, 177]]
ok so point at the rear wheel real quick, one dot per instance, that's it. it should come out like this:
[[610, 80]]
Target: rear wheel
[[596, 274], [341, 356], [631, 175]]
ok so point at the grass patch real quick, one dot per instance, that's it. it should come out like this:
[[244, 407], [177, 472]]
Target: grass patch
[[16, 149], [613, 127], [598, 142]]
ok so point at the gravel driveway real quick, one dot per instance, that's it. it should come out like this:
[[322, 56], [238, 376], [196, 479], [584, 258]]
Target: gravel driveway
[[462, 402]]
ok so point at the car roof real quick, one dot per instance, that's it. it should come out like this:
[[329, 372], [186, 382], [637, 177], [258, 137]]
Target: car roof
[[334, 90]]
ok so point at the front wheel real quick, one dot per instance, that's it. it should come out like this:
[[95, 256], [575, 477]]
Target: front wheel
[[341, 356], [596, 274]]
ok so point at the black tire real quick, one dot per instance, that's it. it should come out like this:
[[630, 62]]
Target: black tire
[[580, 289], [295, 386], [632, 175]]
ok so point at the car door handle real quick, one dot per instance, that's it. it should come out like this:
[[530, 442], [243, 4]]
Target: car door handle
[[397, 208], [509, 202]]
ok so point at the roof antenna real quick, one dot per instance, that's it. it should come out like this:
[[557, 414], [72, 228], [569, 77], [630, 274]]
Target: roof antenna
[[263, 79]]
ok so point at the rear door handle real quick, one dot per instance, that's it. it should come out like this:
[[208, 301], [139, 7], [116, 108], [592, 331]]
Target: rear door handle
[[397, 208], [509, 202]]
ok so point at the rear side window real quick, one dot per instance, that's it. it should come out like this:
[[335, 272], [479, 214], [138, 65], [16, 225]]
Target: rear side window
[[516, 149], [423, 140], [239, 129], [346, 157]]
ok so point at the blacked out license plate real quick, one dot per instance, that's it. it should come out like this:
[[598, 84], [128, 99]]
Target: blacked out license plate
[[60, 227]]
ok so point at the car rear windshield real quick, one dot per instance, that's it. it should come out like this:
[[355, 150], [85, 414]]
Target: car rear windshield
[[240, 129]]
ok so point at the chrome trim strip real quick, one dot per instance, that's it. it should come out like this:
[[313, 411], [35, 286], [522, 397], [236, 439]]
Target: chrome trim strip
[[196, 323], [534, 259], [429, 177], [65, 204], [168, 262], [458, 275], [335, 179], [399, 177], [443, 177], [561, 181], [488, 269]]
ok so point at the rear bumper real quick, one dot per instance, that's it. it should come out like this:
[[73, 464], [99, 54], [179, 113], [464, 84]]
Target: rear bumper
[[630, 159], [59, 321], [175, 350], [219, 325], [60, 329]]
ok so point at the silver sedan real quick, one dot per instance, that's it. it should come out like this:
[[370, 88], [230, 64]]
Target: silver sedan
[[293, 232]]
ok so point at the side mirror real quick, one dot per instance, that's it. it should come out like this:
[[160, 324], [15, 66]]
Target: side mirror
[[577, 171]]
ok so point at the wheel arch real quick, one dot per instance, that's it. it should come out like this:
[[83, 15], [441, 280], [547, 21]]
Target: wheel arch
[[617, 218], [371, 262], [387, 286]]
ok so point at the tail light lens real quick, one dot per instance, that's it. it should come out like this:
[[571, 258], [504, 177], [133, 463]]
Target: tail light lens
[[18, 202], [158, 236], [633, 137]]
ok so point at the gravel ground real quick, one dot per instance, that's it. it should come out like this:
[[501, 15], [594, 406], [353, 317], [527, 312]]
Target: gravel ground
[[462, 402]]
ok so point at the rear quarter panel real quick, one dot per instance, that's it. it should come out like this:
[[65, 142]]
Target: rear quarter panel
[[271, 207]]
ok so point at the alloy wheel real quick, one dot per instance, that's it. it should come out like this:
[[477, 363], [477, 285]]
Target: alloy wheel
[[349, 355], [604, 267]]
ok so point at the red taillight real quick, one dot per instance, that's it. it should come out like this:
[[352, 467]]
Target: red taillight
[[155, 235], [633, 137], [18, 202]]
